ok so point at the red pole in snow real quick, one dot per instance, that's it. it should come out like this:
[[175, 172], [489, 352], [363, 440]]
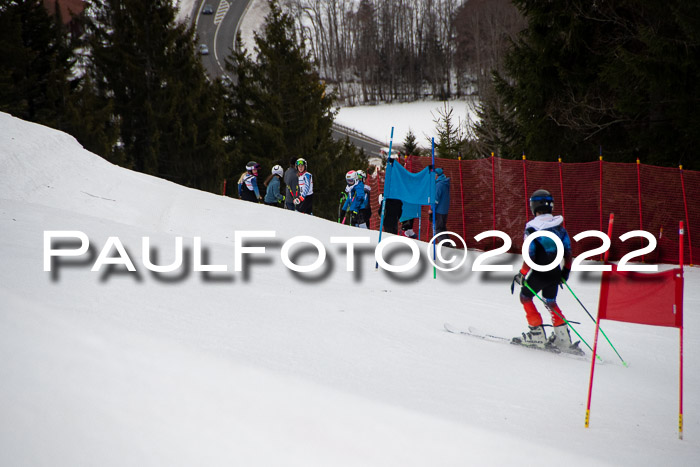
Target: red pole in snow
[[461, 191], [595, 340], [680, 372], [687, 221], [600, 192], [561, 187], [639, 197], [493, 190], [527, 203]]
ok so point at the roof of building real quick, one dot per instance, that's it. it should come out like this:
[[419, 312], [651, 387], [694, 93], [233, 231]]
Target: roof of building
[[69, 8]]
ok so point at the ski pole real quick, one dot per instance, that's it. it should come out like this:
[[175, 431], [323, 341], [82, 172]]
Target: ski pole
[[601, 329], [420, 218], [345, 216], [343, 198], [347, 211], [383, 207], [561, 317]]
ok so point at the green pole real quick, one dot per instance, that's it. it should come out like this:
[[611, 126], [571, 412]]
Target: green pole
[[601, 329], [560, 316]]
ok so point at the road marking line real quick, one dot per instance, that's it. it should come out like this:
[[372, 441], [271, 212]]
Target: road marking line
[[221, 11]]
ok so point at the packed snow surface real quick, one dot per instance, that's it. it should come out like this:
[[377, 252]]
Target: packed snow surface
[[266, 366]]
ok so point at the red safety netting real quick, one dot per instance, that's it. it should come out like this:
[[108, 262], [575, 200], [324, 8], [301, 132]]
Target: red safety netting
[[492, 194]]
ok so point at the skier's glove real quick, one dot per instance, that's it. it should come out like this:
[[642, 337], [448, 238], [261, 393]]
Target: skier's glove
[[519, 278], [565, 276], [296, 201]]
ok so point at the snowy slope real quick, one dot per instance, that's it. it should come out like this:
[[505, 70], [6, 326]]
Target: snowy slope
[[271, 367]]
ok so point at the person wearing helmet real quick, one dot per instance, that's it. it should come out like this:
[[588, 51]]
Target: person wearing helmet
[[366, 208], [248, 183], [273, 197], [304, 197], [543, 251], [355, 198], [350, 180]]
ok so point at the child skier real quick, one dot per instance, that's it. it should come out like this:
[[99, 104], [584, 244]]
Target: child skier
[[543, 251], [248, 183], [304, 198], [366, 208], [355, 199], [273, 197], [345, 195]]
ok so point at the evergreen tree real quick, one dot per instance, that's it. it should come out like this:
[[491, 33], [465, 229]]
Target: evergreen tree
[[410, 144], [170, 116], [616, 75], [89, 118], [495, 130], [37, 60], [39, 80], [450, 135], [278, 109]]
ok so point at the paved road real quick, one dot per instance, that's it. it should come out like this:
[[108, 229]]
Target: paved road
[[218, 32]]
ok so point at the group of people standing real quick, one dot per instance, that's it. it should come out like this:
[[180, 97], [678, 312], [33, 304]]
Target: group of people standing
[[354, 207], [299, 188], [356, 210]]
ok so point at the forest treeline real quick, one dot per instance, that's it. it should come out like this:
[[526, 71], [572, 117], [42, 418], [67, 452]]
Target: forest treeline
[[401, 50], [130, 87], [570, 78]]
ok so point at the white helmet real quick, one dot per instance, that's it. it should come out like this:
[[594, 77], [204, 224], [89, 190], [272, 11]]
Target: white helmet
[[277, 170], [351, 177], [361, 175]]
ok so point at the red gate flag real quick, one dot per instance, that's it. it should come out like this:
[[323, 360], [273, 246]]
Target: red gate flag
[[644, 298]]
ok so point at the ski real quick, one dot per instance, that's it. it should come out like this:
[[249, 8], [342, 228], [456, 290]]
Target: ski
[[474, 332]]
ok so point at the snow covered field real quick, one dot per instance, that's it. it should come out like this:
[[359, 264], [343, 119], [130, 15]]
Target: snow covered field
[[418, 117], [374, 121], [270, 367]]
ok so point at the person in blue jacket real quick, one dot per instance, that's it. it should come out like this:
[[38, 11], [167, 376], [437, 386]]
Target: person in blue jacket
[[356, 198], [366, 208], [442, 201], [273, 197]]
